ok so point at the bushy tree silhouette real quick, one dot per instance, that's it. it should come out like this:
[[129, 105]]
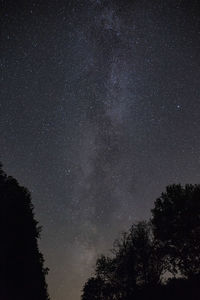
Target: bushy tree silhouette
[[22, 274], [143, 257], [176, 224], [94, 289], [133, 266]]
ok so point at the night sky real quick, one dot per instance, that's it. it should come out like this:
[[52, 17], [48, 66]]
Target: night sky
[[99, 111]]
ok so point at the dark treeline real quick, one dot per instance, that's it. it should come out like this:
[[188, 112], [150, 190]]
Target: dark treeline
[[158, 259], [22, 274]]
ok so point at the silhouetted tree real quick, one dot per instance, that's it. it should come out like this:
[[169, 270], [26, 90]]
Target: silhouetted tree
[[176, 224], [143, 257], [133, 266], [22, 274], [93, 289], [106, 271], [149, 264]]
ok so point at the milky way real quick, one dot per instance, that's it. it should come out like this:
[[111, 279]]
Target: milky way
[[99, 111]]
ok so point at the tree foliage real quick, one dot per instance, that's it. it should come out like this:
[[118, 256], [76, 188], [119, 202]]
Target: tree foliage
[[22, 274], [148, 252], [176, 224], [133, 265]]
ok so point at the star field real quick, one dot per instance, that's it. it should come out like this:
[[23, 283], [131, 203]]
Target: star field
[[99, 111]]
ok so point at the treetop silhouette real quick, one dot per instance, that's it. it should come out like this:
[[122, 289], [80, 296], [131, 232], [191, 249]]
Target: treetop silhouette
[[22, 272], [145, 256]]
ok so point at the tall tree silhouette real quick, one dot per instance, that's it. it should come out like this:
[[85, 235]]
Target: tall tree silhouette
[[22, 274]]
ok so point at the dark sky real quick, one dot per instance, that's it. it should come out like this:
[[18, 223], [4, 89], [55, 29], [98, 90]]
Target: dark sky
[[99, 111]]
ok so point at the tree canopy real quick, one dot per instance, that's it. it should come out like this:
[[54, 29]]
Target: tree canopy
[[176, 224], [22, 272], [155, 259]]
